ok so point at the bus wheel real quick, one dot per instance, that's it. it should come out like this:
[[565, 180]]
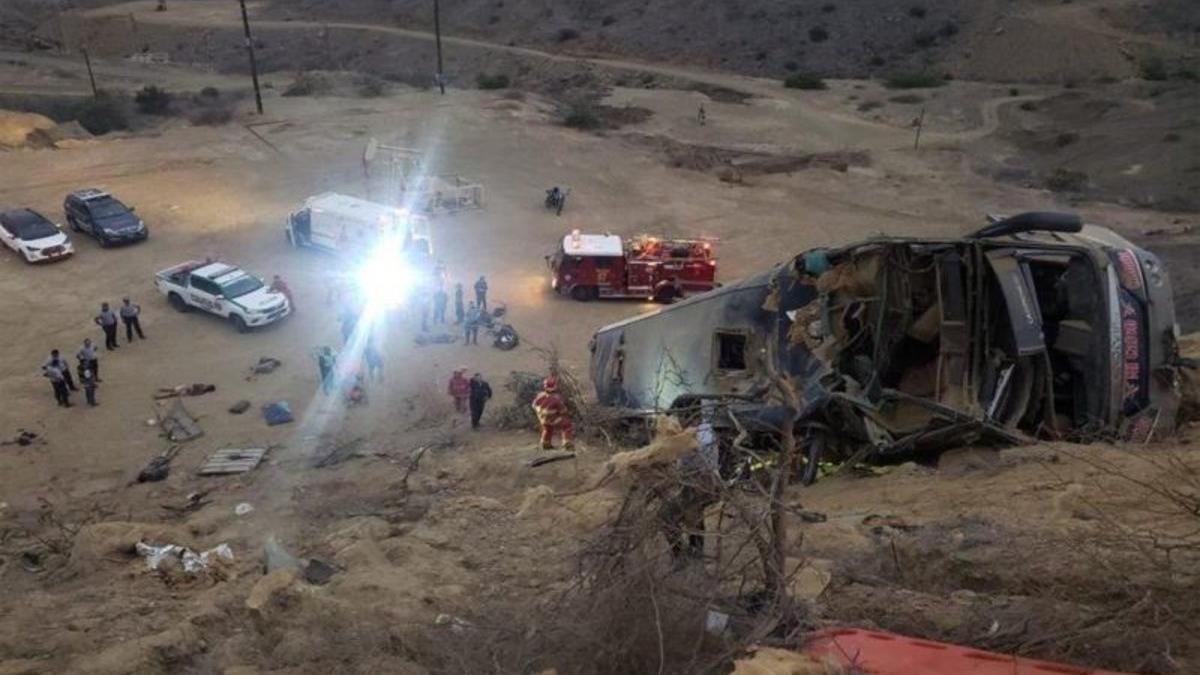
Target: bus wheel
[[583, 293]]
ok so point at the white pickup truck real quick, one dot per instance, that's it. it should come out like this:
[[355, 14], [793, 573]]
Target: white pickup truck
[[222, 289]]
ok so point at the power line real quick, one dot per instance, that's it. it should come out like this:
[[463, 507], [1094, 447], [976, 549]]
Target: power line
[[253, 62]]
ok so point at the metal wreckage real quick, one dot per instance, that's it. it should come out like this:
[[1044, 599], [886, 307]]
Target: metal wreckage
[[1034, 326]]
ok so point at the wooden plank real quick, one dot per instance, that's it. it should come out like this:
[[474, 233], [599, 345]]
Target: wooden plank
[[232, 460]]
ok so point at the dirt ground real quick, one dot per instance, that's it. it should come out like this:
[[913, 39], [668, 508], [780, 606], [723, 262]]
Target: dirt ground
[[465, 527]]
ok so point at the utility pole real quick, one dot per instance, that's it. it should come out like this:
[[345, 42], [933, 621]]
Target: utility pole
[[437, 32], [253, 62], [87, 60]]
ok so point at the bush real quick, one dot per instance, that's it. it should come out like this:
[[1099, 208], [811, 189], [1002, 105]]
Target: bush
[[907, 99], [876, 61], [917, 12], [818, 34], [153, 101], [1028, 106], [803, 81], [828, 8], [1154, 69], [370, 86], [211, 115], [104, 114], [210, 93], [867, 106], [1066, 138], [921, 80], [582, 115], [1014, 92], [1066, 180], [791, 66], [1172, 137], [307, 84], [498, 81], [608, 20], [567, 34]]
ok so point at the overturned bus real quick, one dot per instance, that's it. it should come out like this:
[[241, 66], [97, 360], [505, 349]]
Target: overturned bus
[[1034, 326]]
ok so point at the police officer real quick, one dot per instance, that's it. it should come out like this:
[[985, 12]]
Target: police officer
[[129, 315], [107, 320], [88, 360], [61, 363], [481, 391], [88, 379], [59, 384], [471, 326], [459, 311]]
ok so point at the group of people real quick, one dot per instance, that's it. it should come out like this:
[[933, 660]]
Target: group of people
[[58, 372], [469, 394], [471, 315]]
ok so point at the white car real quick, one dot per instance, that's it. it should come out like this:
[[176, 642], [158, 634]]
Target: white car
[[33, 236], [225, 290]]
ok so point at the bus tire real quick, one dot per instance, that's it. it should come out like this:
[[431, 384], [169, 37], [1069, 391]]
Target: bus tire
[[584, 293]]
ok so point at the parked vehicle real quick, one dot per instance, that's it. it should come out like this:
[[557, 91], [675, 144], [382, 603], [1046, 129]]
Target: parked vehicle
[[33, 236], [1034, 326], [225, 290], [591, 266], [104, 217], [352, 227]]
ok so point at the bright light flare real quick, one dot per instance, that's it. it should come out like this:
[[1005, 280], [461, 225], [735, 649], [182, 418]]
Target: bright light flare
[[386, 278]]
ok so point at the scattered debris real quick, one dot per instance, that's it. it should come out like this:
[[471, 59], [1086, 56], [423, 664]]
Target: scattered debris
[[265, 365], [197, 389], [31, 561], [811, 516], [340, 452], [195, 502], [879, 524], [279, 412], [1172, 231], [178, 425], [541, 460], [319, 572], [276, 557], [243, 508], [232, 460], [239, 407], [715, 622], [22, 438], [159, 467], [191, 562]]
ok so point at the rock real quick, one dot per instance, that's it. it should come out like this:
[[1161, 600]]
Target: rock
[[269, 591], [116, 539], [809, 578], [155, 653], [536, 500], [15, 127]]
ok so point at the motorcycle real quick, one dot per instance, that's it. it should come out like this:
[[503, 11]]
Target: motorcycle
[[504, 336], [556, 199]]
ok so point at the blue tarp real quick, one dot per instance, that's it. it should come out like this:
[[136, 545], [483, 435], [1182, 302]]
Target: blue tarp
[[278, 412]]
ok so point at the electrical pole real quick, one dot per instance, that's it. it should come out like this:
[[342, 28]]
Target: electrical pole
[[437, 32], [253, 62], [87, 60]]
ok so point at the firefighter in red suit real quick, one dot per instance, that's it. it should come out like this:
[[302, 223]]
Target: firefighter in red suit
[[553, 416]]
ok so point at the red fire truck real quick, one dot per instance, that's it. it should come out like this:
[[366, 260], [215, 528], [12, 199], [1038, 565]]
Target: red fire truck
[[591, 266]]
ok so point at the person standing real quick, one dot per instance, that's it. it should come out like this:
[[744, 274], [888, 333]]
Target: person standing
[[701, 115], [374, 360], [87, 359], [471, 326], [553, 416], [481, 289], [440, 299], [59, 384], [61, 363], [481, 391], [278, 285], [88, 379], [107, 321], [459, 311], [326, 363], [459, 389], [129, 315]]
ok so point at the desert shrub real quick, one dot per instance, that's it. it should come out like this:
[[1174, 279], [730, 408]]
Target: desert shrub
[[1028, 106], [1065, 138], [914, 80], [1172, 137], [948, 29], [211, 115], [1014, 92], [1154, 69], [307, 84], [876, 61], [818, 34], [867, 106], [1066, 180], [152, 100], [1190, 74], [828, 8], [608, 20], [210, 93], [917, 12], [907, 99], [370, 86], [493, 19], [106, 113], [760, 56], [581, 115], [567, 34], [497, 81], [791, 66], [804, 81], [925, 39]]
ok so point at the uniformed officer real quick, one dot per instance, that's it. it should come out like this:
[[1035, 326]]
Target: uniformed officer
[[59, 384], [129, 315], [61, 363], [87, 359], [107, 320]]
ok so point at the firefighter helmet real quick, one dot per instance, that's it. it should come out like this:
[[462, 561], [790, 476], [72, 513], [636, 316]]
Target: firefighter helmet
[[550, 383]]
